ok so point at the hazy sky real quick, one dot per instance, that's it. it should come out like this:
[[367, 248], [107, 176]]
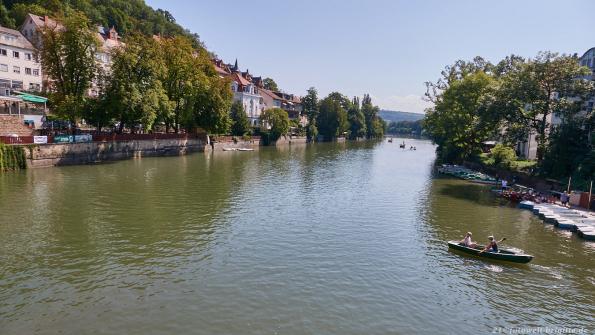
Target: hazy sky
[[382, 47]]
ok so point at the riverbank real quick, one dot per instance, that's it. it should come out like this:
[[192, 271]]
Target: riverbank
[[105, 148]]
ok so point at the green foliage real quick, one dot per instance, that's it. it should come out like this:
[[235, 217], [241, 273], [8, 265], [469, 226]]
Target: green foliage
[[278, 121], [12, 157], [460, 121], [357, 120], [406, 127], [270, 85], [20, 10], [530, 92], [67, 57], [126, 16], [310, 109], [374, 125], [503, 156], [332, 118], [240, 125], [5, 19], [134, 94]]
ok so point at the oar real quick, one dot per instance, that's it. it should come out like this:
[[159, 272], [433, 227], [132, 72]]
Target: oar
[[502, 240]]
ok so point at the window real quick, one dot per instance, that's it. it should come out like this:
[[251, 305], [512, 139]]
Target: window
[[17, 85], [28, 56], [16, 54], [34, 87], [3, 67], [3, 52], [16, 69], [28, 71], [36, 72]]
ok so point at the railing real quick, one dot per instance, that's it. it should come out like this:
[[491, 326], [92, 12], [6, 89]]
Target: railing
[[99, 138], [229, 139]]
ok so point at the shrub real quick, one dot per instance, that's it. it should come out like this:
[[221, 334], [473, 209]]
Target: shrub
[[503, 156]]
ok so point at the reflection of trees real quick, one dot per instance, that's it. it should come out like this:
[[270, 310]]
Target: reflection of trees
[[80, 219]]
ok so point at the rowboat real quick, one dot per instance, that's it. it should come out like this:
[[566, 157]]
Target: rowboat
[[502, 255]]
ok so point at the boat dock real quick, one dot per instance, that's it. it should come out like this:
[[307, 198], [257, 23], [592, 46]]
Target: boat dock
[[578, 221]]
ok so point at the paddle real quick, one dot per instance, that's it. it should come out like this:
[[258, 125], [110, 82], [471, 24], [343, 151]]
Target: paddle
[[502, 240]]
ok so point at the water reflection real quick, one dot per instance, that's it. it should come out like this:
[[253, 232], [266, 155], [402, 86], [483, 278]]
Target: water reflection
[[333, 238]]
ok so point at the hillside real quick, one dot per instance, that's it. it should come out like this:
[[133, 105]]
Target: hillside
[[396, 116], [125, 15]]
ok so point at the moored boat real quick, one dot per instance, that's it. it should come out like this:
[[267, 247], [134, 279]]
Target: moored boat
[[502, 255]]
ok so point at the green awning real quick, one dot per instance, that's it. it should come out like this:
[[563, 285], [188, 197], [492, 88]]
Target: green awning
[[32, 98]]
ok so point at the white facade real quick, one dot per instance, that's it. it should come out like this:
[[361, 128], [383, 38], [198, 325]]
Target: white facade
[[250, 99], [19, 69]]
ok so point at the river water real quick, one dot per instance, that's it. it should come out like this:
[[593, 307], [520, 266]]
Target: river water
[[344, 238]]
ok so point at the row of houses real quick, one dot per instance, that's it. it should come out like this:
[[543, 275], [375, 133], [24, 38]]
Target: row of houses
[[21, 74], [250, 91]]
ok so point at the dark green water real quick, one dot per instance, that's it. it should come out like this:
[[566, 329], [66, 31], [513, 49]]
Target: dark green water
[[324, 239]]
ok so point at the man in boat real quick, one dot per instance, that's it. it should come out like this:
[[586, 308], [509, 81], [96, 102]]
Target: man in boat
[[492, 246], [467, 241]]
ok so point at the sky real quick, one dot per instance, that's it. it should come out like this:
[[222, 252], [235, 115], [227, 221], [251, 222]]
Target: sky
[[386, 48]]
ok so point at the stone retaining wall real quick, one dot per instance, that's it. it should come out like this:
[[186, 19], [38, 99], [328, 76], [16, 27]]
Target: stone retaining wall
[[96, 152], [287, 140]]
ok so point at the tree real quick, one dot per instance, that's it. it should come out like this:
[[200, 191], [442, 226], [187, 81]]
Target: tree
[[134, 94], [186, 74], [212, 104], [532, 92], [310, 110], [374, 125], [270, 85], [278, 121], [332, 118], [5, 19], [458, 122], [68, 58], [357, 120], [240, 125]]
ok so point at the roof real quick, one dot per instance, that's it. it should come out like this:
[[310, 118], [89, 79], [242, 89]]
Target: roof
[[42, 21], [14, 38], [586, 52], [240, 79], [31, 98], [269, 93]]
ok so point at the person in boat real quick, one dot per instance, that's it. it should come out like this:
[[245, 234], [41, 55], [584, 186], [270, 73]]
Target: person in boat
[[492, 246], [467, 241]]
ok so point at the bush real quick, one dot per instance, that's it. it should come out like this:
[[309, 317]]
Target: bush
[[12, 157], [503, 156]]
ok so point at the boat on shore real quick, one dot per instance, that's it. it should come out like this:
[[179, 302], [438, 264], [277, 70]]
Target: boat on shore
[[467, 174], [502, 255]]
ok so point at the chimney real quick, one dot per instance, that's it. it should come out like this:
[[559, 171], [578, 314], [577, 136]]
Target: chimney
[[113, 34], [45, 18]]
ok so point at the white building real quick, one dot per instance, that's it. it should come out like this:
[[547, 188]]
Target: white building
[[108, 41], [19, 69], [243, 88]]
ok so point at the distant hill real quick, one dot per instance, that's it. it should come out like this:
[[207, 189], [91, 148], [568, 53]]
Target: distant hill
[[396, 116]]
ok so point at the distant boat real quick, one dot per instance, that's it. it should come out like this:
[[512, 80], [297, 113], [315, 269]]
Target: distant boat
[[502, 255], [245, 149], [229, 149]]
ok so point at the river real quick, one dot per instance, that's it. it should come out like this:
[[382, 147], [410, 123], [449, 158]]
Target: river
[[344, 238]]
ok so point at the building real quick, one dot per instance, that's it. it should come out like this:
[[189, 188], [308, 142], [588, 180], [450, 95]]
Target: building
[[108, 41], [588, 60], [19, 68], [288, 102], [243, 88], [528, 149], [20, 72]]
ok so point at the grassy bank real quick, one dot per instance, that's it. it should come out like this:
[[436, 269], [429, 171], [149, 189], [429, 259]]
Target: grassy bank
[[12, 158]]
